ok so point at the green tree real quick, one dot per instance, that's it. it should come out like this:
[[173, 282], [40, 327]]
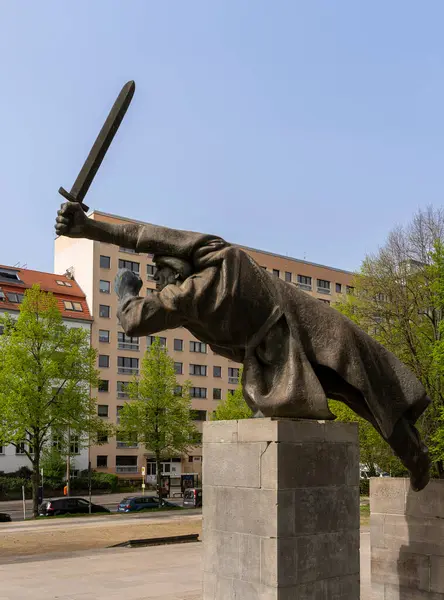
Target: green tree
[[46, 372], [158, 415], [399, 299], [53, 466], [234, 405]]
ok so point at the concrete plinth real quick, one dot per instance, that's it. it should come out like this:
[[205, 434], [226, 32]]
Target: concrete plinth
[[280, 510], [407, 540]]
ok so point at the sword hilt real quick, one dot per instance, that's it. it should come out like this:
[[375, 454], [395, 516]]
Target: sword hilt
[[72, 198]]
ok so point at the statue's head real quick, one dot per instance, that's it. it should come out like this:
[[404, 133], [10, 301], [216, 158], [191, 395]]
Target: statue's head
[[170, 270]]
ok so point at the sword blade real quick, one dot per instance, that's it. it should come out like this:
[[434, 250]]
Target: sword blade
[[101, 145]]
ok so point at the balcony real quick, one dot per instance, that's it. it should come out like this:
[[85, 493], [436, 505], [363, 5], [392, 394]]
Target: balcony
[[127, 469], [127, 346], [127, 445], [234, 380], [128, 370], [304, 286]]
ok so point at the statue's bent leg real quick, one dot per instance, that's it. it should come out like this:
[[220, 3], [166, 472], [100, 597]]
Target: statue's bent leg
[[414, 454]]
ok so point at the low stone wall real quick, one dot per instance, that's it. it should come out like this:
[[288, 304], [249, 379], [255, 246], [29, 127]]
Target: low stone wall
[[407, 540]]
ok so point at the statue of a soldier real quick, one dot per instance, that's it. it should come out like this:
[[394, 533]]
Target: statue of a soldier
[[296, 351]]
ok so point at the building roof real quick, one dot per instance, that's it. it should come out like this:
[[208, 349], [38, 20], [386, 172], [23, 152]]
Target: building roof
[[16, 280]]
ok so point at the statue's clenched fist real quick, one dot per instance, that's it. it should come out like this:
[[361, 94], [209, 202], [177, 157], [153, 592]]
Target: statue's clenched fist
[[71, 220], [127, 283]]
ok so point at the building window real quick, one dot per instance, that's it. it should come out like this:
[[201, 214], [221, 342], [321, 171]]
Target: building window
[[276, 272], [198, 347], [323, 286], [150, 291], [74, 444], [126, 464], [105, 286], [338, 288], [150, 272], [231, 392], [127, 365], [127, 250], [75, 306], [178, 368], [304, 282], [200, 370], [178, 345], [122, 389], [104, 335], [198, 392], [2, 329], [127, 342], [198, 415], [178, 390], [20, 448], [15, 298], [350, 289], [102, 410], [233, 375], [103, 385], [65, 283], [217, 394], [102, 462], [150, 339], [105, 262], [130, 265], [102, 438], [103, 361], [104, 311], [217, 371], [287, 276]]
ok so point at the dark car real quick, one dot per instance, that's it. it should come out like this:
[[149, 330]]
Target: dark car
[[136, 503], [192, 497], [69, 506], [5, 518]]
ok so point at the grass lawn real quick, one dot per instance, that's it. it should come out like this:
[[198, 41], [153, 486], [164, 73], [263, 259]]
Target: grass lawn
[[365, 514]]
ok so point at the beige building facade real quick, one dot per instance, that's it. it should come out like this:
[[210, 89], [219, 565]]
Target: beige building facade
[[94, 266]]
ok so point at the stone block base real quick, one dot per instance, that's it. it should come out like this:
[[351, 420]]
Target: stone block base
[[407, 540], [280, 510]]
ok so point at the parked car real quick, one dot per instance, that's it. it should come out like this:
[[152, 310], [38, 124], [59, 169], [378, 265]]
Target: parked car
[[137, 503], [192, 497], [71, 506], [5, 518]]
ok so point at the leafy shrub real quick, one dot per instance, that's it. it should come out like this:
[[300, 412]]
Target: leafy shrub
[[364, 487]]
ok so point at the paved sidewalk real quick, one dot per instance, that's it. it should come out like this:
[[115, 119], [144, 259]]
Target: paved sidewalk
[[157, 573]]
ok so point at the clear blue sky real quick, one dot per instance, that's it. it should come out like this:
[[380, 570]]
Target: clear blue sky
[[304, 128]]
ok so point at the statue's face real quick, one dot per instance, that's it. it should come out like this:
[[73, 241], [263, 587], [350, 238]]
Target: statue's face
[[164, 276]]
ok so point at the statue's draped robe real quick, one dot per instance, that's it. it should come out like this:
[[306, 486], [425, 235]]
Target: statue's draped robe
[[295, 349]]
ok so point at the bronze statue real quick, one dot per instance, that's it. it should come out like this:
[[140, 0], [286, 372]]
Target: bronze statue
[[296, 351]]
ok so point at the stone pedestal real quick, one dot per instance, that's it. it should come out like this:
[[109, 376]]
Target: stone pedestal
[[280, 510], [407, 540]]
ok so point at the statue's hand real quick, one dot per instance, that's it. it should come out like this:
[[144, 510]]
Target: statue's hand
[[127, 283], [71, 220]]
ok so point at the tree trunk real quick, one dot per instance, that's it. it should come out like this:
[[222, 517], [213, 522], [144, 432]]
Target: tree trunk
[[159, 479], [440, 468], [35, 483]]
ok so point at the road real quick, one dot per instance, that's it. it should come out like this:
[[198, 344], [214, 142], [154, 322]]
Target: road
[[110, 501], [106, 520]]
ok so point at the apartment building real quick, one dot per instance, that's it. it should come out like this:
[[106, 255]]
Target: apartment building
[[94, 266], [74, 308]]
